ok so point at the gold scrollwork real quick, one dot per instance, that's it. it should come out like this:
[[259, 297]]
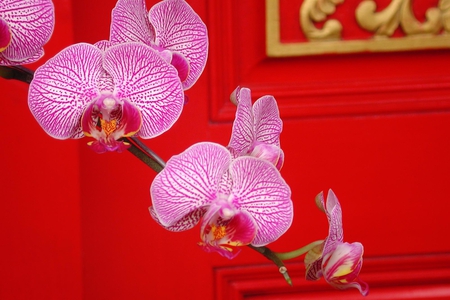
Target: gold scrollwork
[[433, 33], [318, 10], [397, 13]]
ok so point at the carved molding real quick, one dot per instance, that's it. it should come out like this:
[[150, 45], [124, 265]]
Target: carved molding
[[430, 34], [302, 97], [419, 277]]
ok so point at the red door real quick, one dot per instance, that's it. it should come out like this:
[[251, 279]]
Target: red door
[[365, 111]]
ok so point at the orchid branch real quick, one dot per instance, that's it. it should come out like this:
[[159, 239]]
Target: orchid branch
[[145, 154], [269, 254], [16, 72], [142, 152]]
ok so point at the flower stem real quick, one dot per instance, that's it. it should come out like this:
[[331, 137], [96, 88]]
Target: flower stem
[[298, 252], [269, 254], [151, 159], [145, 154], [16, 72]]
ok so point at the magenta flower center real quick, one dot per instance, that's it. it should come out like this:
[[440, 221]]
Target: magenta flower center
[[108, 119], [5, 35]]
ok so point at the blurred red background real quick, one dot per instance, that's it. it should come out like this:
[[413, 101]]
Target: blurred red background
[[75, 225]]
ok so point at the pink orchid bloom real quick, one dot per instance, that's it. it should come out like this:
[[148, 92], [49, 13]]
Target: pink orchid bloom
[[25, 26], [171, 27], [338, 262], [256, 129], [106, 93], [239, 201]]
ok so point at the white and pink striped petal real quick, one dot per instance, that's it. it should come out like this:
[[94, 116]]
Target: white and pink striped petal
[[63, 87], [189, 181], [259, 189], [243, 131], [141, 76], [256, 129], [130, 23], [179, 29], [185, 223], [30, 23]]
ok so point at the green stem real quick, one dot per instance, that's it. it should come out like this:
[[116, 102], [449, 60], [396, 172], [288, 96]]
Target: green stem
[[298, 252], [269, 254]]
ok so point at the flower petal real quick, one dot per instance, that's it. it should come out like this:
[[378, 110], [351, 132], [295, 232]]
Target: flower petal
[[189, 181], [181, 64], [179, 29], [144, 78], [63, 87], [31, 24], [334, 214], [5, 35], [313, 262], [259, 189], [7, 62], [185, 223], [268, 124], [129, 23], [342, 266], [243, 134]]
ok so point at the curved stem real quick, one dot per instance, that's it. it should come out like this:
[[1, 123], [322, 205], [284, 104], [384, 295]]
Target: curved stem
[[151, 159], [298, 252], [269, 254]]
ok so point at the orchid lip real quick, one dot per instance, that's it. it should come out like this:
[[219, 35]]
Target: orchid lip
[[5, 35], [108, 119]]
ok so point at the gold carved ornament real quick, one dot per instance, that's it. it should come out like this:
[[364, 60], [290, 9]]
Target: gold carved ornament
[[432, 33]]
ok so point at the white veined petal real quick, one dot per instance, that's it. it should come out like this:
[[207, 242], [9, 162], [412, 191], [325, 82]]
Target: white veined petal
[[259, 189], [178, 28], [62, 88], [268, 124], [243, 132], [31, 23], [189, 181], [148, 81], [129, 23]]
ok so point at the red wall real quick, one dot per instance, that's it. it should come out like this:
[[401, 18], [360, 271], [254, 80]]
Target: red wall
[[40, 230]]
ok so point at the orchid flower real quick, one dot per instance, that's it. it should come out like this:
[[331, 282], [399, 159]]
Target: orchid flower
[[338, 262], [106, 93], [256, 129], [25, 26], [239, 201], [171, 27]]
